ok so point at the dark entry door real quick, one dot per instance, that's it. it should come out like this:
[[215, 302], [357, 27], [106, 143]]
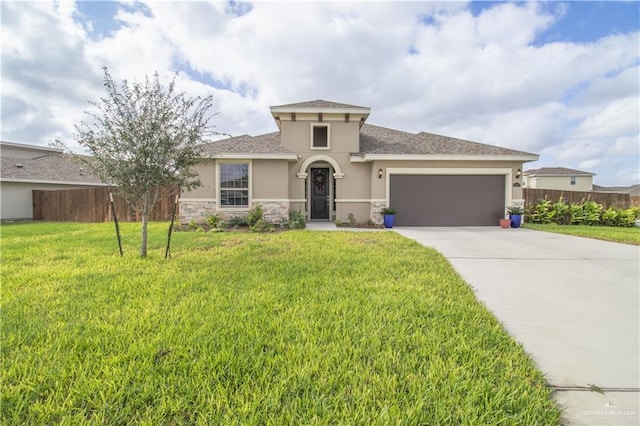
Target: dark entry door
[[320, 193]]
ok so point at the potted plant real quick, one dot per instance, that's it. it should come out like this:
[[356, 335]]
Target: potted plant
[[505, 223], [389, 214], [515, 214]]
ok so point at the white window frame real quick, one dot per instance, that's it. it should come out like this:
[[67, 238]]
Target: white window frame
[[573, 180], [321, 148], [219, 189]]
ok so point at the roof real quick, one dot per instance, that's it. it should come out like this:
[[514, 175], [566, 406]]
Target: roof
[[374, 140], [49, 168], [556, 171], [27, 147], [319, 103], [633, 190], [380, 140], [268, 144]]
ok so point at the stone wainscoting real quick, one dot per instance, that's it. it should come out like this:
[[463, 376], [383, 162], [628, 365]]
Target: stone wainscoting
[[375, 211], [198, 210], [274, 211]]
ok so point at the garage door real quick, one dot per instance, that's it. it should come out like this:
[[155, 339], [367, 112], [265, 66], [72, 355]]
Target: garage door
[[445, 200]]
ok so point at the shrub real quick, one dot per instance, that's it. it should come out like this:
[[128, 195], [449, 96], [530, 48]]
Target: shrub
[[213, 220], [239, 221], [296, 220], [255, 215], [262, 226], [586, 213], [193, 225]]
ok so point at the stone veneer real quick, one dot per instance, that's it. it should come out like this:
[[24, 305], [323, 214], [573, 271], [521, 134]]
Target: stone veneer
[[375, 210], [198, 210], [274, 211]]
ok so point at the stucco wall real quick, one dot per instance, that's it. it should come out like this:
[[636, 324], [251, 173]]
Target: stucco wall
[[583, 183], [16, 198], [207, 172]]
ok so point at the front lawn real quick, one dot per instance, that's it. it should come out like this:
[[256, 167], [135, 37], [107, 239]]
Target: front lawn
[[300, 327], [606, 233]]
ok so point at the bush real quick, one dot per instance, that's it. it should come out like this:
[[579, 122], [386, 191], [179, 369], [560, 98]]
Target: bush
[[213, 220], [262, 226], [296, 220], [255, 215], [239, 221], [586, 213]]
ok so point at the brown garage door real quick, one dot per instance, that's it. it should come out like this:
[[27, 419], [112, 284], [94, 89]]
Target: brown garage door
[[438, 200]]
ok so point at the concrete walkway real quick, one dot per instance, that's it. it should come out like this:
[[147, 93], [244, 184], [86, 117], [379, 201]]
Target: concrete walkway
[[574, 304]]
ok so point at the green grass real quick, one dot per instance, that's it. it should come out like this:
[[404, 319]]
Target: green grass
[[299, 327], [606, 233]]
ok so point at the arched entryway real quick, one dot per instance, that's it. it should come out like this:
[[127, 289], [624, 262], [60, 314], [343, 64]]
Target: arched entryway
[[320, 173]]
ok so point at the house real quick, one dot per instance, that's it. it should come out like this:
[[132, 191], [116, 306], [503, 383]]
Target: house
[[327, 161], [558, 178], [29, 167]]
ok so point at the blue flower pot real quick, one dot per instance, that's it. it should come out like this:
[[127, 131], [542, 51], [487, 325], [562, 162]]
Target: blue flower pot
[[389, 220], [516, 219]]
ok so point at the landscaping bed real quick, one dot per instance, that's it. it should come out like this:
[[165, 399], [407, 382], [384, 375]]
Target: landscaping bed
[[281, 328]]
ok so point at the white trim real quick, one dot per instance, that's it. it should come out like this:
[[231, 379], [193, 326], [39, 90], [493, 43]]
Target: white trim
[[250, 156], [506, 171], [271, 200], [442, 157], [51, 182], [355, 200], [198, 199], [29, 147], [219, 206], [337, 172], [320, 148], [322, 110]]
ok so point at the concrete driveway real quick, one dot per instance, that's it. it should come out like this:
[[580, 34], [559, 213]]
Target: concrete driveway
[[573, 303]]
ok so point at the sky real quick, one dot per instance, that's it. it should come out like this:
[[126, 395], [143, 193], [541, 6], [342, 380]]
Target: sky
[[559, 79]]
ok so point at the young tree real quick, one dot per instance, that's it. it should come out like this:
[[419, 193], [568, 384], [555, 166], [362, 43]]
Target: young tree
[[145, 136]]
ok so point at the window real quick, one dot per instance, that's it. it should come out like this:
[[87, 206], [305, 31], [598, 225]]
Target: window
[[320, 136], [573, 180], [234, 185]]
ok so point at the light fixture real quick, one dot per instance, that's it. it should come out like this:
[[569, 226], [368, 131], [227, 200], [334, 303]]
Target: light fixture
[[518, 173], [380, 174]]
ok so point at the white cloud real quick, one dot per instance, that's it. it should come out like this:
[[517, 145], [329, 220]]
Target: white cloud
[[419, 66]]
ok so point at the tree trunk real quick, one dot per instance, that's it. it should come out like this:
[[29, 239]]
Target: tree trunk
[[145, 221]]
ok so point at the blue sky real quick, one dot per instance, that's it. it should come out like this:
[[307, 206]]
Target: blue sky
[[560, 79]]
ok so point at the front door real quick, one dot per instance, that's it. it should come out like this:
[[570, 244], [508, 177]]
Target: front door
[[320, 194]]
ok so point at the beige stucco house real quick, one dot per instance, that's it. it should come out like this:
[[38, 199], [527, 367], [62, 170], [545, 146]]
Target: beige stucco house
[[327, 161], [558, 178], [26, 168]]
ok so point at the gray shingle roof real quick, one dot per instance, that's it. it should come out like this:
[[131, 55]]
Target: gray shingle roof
[[373, 140], [318, 103], [54, 168], [380, 140], [557, 171], [245, 144]]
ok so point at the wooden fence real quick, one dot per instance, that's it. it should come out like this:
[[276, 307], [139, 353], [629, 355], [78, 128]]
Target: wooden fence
[[93, 205], [621, 201]]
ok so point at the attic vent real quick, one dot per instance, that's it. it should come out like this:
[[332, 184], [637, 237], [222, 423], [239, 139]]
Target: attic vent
[[19, 165]]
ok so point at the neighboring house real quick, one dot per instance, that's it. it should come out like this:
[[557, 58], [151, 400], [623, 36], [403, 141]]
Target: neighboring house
[[328, 162], [558, 178], [29, 167]]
